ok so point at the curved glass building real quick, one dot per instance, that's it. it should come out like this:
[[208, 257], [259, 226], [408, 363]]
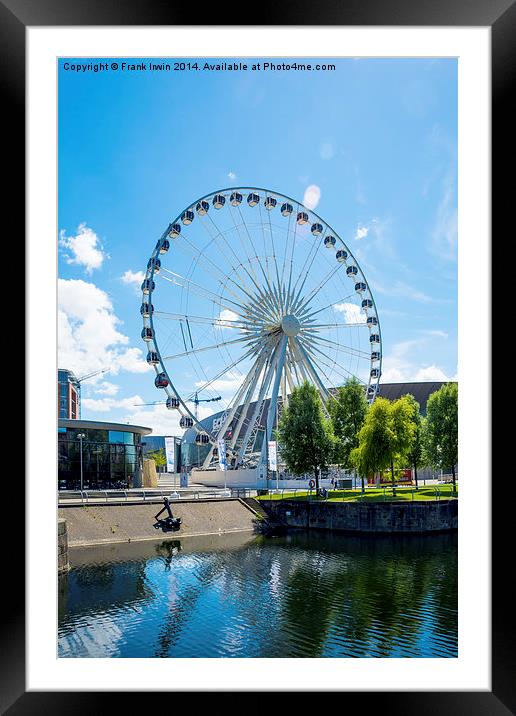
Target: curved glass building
[[99, 456]]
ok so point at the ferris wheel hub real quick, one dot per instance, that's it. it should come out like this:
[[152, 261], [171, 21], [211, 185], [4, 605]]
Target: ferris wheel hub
[[290, 325]]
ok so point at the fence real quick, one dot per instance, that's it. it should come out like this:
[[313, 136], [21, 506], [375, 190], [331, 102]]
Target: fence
[[94, 497], [386, 493]]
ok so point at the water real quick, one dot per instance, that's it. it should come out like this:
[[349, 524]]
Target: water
[[302, 595]]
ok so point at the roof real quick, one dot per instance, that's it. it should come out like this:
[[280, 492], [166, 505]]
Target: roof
[[97, 425], [420, 390]]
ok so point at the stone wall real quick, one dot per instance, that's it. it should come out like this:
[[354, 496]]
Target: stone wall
[[103, 524], [62, 546], [417, 517]]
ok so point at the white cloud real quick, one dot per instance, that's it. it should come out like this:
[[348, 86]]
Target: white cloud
[[401, 364], [312, 196], [232, 175], [352, 312], [158, 417], [431, 372], [89, 338], [133, 278], [361, 232], [225, 316], [103, 405], [85, 248], [107, 388], [131, 361]]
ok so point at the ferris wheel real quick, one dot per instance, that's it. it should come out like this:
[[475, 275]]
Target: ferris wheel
[[246, 295]]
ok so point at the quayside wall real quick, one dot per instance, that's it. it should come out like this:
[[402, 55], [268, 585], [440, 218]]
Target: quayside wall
[[381, 517], [105, 524]]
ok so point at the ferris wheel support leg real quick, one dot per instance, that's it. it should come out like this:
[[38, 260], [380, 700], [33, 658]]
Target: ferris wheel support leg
[[274, 397], [247, 402], [261, 395]]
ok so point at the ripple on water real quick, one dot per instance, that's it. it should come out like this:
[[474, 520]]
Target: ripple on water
[[302, 595]]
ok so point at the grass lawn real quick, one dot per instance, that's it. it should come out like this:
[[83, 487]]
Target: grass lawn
[[372, 494]]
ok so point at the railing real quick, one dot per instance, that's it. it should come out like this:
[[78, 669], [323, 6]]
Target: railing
[[153, 495], [290, 493]]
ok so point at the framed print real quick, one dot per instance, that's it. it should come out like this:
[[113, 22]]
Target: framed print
[[258, 257]]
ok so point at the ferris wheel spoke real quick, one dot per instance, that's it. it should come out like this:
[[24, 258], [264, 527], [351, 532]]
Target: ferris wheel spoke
[[183, 282], [238, 227], [316, 327], [202, 349], [220, 235], [219, 322], [204, 261], [289, 287], [356, 352], [305, 271], [306, 300], [308, 316], [264, 275], [278, 282], [311, 369], [313, 349], [285, 253], [348, 350], [223, 372]]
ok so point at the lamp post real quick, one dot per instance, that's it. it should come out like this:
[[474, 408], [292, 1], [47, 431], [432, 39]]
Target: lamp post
[[81, 437]]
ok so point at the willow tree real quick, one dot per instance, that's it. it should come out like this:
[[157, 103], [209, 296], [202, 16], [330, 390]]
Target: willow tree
[[304, 434], [386, 437]]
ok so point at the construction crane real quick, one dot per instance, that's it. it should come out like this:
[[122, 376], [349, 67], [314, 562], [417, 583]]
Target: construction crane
[[196, 400], [79, 381], [91, 375]]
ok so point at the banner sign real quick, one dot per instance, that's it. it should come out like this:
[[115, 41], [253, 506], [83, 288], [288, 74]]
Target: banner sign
[[170, 452], [273, 455], [221, 445]]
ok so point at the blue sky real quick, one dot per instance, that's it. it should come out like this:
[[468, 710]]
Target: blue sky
[[374, 142]]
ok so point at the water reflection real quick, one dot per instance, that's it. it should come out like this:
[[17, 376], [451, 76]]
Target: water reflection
[[301, 595]]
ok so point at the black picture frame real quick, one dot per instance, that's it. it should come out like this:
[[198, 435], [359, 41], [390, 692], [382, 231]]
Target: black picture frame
[[500, 15]]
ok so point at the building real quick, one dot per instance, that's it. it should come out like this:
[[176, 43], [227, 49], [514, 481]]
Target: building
[[68, 395], [96, 455], [194, 454]]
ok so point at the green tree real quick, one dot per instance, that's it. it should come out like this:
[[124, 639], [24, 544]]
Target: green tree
[[158, 456], [416, 454], [347, 412], [441, 434], [304, 435], [385, 438]]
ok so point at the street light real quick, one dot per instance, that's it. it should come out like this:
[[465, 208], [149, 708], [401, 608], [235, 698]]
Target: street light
[[81, 437]]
